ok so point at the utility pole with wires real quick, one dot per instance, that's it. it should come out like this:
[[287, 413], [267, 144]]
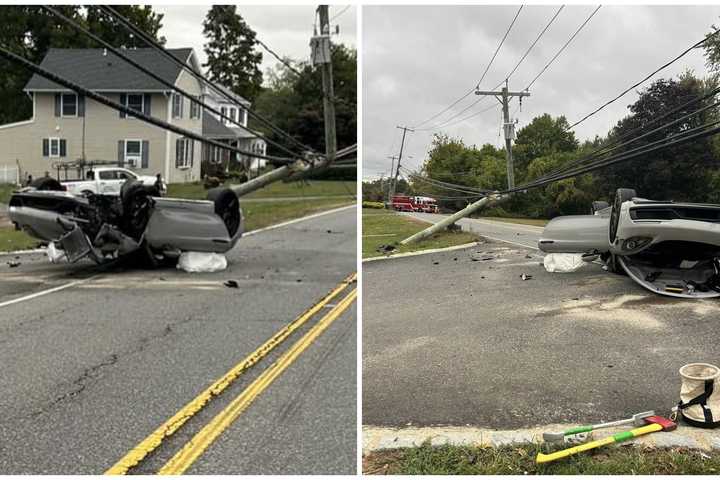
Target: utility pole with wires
[[392, 170], [321, 54], [504, 96], [393, 182]]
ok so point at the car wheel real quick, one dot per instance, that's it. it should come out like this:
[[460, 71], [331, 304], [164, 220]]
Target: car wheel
[[46, 183], [136, 202], [622, 195], [227, 207]]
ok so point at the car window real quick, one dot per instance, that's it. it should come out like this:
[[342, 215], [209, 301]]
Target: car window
[[107, 175], [124, 175], [90, 175]]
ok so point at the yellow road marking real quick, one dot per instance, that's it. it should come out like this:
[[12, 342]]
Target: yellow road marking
[[135, 456], [183, 459]]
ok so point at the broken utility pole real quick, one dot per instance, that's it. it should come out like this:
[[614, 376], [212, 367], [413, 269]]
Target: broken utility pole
[[392, 170], [393, 183], [504, 97]]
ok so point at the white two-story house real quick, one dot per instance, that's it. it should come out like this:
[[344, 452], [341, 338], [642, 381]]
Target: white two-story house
[[226, 131], [66, 127]]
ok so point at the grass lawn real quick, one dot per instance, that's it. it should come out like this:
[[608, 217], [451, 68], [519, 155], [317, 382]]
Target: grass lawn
[[6, 192], [10, 240], [315, 188], [537, 222], [387, 227], [259, 215], [454, 460]]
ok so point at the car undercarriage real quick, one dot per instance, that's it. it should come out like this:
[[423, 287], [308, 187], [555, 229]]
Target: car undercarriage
[[105, 228]]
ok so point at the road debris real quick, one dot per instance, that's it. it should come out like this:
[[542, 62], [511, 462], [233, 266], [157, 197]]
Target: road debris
[[231, 284], [13, 263], [385, 248], [563, 262], [525, 276]]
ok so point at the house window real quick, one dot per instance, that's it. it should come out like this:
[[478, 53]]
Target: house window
[[194, 109], [231, 113], [177, 104], [242, 117], [54, 147], [133, 153], [69, 105], [184, 150]]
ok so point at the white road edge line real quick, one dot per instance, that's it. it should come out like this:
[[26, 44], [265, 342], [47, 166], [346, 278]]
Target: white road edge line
[[48, 291], [508, 241], [297, 220], [421, 252], [252, 232]]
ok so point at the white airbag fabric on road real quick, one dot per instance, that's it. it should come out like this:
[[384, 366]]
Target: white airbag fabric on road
[[201, 262], [563, 262]]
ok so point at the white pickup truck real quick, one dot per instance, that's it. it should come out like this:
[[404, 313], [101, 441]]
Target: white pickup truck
[[106, 181]]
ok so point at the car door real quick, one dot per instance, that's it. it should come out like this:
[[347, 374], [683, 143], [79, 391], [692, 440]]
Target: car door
[[108, 182]]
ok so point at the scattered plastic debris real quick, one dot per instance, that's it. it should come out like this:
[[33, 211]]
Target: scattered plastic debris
[[386, 248], [201, 262], [13, 263], [231, 284], [563, 262], [525, 276]]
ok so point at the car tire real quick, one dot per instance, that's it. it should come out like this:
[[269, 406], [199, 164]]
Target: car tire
[[136, 202], [227, 207], [46, 183], [622, 195]]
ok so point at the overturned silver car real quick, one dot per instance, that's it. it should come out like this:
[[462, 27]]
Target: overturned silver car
[[667, 247], [136, 222]]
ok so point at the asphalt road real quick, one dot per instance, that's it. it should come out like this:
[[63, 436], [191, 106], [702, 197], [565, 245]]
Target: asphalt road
[[448, 340], [90, 371]]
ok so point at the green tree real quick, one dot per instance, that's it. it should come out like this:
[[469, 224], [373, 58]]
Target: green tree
[[111, 31], [545, 135], [232, 59], [295, 102], [30, 31]]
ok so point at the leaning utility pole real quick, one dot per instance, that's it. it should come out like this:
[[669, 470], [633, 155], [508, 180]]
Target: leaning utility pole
[[325, 61], [397, 169], [392, 170], [504, 97]]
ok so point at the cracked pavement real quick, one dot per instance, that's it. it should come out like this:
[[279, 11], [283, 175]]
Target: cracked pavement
[[452, 341], [90, 371]]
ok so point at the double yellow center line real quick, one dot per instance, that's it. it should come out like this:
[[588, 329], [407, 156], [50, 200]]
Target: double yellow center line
[[202, 440]]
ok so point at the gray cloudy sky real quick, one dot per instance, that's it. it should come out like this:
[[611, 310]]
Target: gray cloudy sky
[[285, 29], [418, 59]]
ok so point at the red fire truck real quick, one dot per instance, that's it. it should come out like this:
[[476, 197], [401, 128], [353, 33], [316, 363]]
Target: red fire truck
[[404, 203]]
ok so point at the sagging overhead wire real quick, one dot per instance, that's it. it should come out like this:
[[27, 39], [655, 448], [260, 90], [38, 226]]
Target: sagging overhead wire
[[647, 77], [507, 32], [108, 10], [80, 90], [158, 78], [572, 37], [445, 123], [456, 122]]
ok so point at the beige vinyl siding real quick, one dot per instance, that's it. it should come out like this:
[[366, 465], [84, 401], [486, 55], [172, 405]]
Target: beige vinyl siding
[[191, 85], [103, 129]]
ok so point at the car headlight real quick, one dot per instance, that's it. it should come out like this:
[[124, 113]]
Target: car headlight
[[634, 243]]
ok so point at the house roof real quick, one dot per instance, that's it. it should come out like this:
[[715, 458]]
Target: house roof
[[98, 70], [211, 92], [211, 127]]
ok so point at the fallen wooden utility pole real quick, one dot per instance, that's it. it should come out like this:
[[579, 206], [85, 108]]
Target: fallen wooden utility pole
[[444, 223]]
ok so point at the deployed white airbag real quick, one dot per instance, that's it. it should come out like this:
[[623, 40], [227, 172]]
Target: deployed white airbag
[[202, 262], [563, 262]]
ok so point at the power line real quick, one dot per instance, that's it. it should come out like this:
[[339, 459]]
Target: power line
[[507, 77], [563, 47], [692, 47], [153, 43], [129, 111], [507, 32], [278, 57], [156, 77], [535, 42], [491, 107], [340, 12]]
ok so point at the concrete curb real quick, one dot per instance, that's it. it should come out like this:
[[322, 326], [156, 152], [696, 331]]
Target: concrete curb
[[22, 252], [385, 438], [421, 252]]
